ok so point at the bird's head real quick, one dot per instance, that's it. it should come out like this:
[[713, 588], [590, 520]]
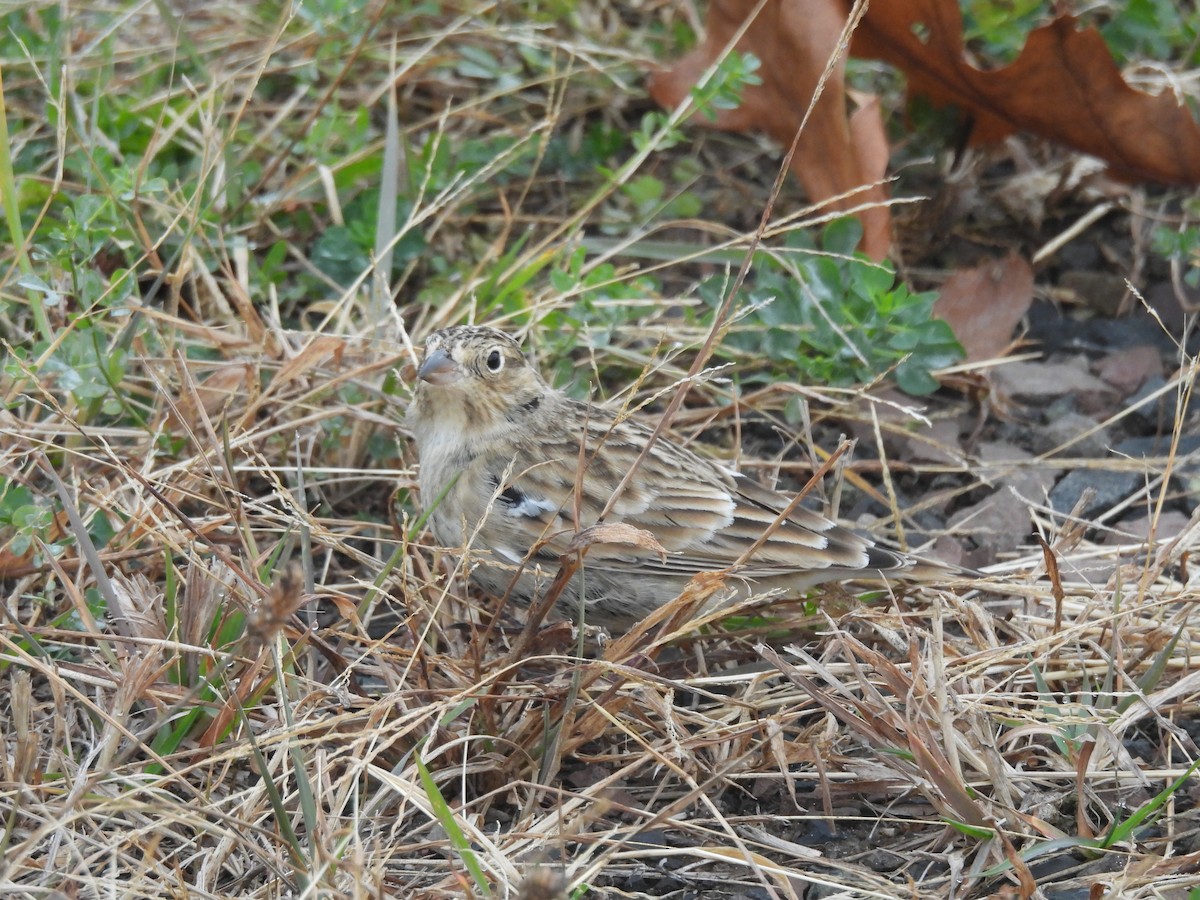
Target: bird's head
[[482, 371]]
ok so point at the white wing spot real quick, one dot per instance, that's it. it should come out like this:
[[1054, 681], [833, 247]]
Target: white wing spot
[[531, 507]]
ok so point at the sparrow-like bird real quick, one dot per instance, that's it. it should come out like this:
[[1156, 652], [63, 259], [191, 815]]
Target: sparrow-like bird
[[499, 463]]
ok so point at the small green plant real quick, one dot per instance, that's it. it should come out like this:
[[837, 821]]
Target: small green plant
[[649, 198], [723, 90], [448, 819], [1000, 28], [836, 317], [603, 301], [646, 198], [656, 131], [1123, 830], [27, 522], [1182, 245], [23, 517], [1137, 29], [342, 252], [1151, 29]]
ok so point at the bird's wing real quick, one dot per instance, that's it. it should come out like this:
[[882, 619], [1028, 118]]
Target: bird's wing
[[803, 541], [536, 502], [703, 516]]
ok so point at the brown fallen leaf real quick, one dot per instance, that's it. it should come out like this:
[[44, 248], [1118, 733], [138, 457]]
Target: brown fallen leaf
[[1064, 85], [839, 160], [984, 304], [12, 564]]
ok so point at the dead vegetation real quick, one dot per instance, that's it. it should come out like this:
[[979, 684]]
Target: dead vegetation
[[233, 665]]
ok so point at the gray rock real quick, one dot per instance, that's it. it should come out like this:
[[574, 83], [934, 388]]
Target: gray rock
[[1158, 415], [997, 525], [1041, 383], [1006, 465], [1165, 526], [1067, 427], [1146, 447], [1111, 487]]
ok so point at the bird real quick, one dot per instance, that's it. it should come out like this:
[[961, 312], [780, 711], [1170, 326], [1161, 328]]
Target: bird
[[511, 470]]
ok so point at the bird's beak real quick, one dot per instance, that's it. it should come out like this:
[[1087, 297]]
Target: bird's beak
[[439, 368]]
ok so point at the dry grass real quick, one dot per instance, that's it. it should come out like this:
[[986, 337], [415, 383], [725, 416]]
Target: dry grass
[[232, 664]]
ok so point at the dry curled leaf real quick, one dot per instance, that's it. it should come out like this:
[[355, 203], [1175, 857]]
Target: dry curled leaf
[[1064, 85], [984, 304], [839, 159], [616, 533]]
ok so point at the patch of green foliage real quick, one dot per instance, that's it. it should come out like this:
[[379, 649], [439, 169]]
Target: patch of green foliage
[[999, 27], [28, 522], [602, 300], [723, 91], [1152, 29], [23, 517], [1133, 30], [835, 317], [343, 252], [1181, 244]]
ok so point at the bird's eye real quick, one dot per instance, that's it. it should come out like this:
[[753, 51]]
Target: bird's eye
[[495, 362]]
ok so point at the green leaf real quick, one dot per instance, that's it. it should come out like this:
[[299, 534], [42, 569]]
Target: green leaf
[[841, 236], [915, 380], [446, 818], [339, 256], [644, 190]]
